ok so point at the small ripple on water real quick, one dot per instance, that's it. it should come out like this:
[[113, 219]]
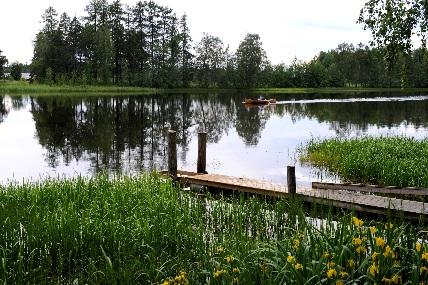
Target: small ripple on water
[[350, 100]]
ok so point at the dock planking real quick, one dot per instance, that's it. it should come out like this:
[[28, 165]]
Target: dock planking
[[332, 197], [411, 191]]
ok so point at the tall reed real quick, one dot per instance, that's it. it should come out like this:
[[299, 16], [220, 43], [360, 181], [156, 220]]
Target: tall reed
[[399, 161], [130, 230]]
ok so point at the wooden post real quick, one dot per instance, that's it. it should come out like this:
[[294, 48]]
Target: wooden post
[[202, 152], [172, 154], [291, 179]]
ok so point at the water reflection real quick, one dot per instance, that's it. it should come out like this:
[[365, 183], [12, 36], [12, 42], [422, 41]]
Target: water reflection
[[128, 134]]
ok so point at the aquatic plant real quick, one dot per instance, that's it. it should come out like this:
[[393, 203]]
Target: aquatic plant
[[398, 161]]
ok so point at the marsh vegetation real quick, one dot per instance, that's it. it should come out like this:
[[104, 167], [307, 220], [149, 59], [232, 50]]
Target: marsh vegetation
[[144, 230]]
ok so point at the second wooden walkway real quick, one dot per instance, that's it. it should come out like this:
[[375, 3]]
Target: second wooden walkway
[[335, 197]]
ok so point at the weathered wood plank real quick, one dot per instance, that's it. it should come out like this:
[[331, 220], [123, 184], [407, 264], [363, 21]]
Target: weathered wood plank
[[202, 152], [235, 184], [172, 154], [291, 179], [364, 202], [371, 188]]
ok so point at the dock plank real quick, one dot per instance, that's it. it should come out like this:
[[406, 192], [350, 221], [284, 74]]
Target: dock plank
[[363, 202], [371, 189]]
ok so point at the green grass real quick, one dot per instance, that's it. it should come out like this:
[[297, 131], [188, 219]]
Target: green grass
[[142, 230], [22, 87], [335, 90], [399, 161]]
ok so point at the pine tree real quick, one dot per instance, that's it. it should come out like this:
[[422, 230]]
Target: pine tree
[[185, 53], [116, 16]]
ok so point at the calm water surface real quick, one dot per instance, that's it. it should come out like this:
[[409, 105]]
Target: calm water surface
[[63, 136]]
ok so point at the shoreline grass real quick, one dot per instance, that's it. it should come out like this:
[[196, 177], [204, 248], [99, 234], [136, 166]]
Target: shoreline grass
[[22, 87], [387, 161], [131, 230]]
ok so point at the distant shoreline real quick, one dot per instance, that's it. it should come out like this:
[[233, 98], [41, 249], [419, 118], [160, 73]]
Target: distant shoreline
[[19, 88]]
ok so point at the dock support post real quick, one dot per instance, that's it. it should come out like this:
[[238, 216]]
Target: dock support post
[[291, 180], [172, 154], [202, 152]]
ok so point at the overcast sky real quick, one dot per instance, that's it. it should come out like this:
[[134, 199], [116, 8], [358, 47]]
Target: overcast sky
[[288, 28]]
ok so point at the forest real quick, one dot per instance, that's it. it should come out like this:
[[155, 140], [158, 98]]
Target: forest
[[148, 45]]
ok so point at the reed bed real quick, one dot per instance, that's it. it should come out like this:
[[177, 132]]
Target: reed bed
[[399, 161], [143, 230]]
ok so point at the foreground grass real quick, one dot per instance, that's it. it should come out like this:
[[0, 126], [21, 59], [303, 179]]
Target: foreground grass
[[143, 230], [22, 87], [399, 161]]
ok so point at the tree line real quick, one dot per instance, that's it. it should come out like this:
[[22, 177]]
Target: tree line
[[148, 45]]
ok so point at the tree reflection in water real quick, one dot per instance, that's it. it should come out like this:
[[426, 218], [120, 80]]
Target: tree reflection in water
[[128, 134]]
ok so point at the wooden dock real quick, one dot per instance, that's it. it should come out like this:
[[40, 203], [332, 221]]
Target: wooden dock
[[335, 197], [356, 197]]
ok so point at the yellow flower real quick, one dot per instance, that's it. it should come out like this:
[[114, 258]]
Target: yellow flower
[[425, 256], [179, 279], [220, 249], [389, 225], [343, 274], [298, 266], [373, 269], [357, 222], [219, 273], [357, 241], [389, 252], [418, 246], [351, 263], [296, 243], [291, 259], [396, 279], [339, 282], [422, 270], [380, 241], [360, 250], [331, 273], [327, 255], [374, 255], [373, 230], [229, 259], [331, 264], [236, 270]]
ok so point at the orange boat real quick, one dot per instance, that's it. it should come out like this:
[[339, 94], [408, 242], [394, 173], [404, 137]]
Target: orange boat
[[259, 101]]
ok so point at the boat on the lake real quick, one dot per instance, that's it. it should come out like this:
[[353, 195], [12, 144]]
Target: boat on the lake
[[259, 101]]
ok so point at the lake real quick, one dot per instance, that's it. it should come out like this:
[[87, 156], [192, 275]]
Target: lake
[[61, 136]]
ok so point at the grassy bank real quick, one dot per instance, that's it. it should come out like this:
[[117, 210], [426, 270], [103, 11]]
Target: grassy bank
[[142, 230], [399, 161], [22, 87], [336, 90]]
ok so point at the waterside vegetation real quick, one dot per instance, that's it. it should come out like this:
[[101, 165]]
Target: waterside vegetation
[[143, 230], [20, 88], [398, 161]]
